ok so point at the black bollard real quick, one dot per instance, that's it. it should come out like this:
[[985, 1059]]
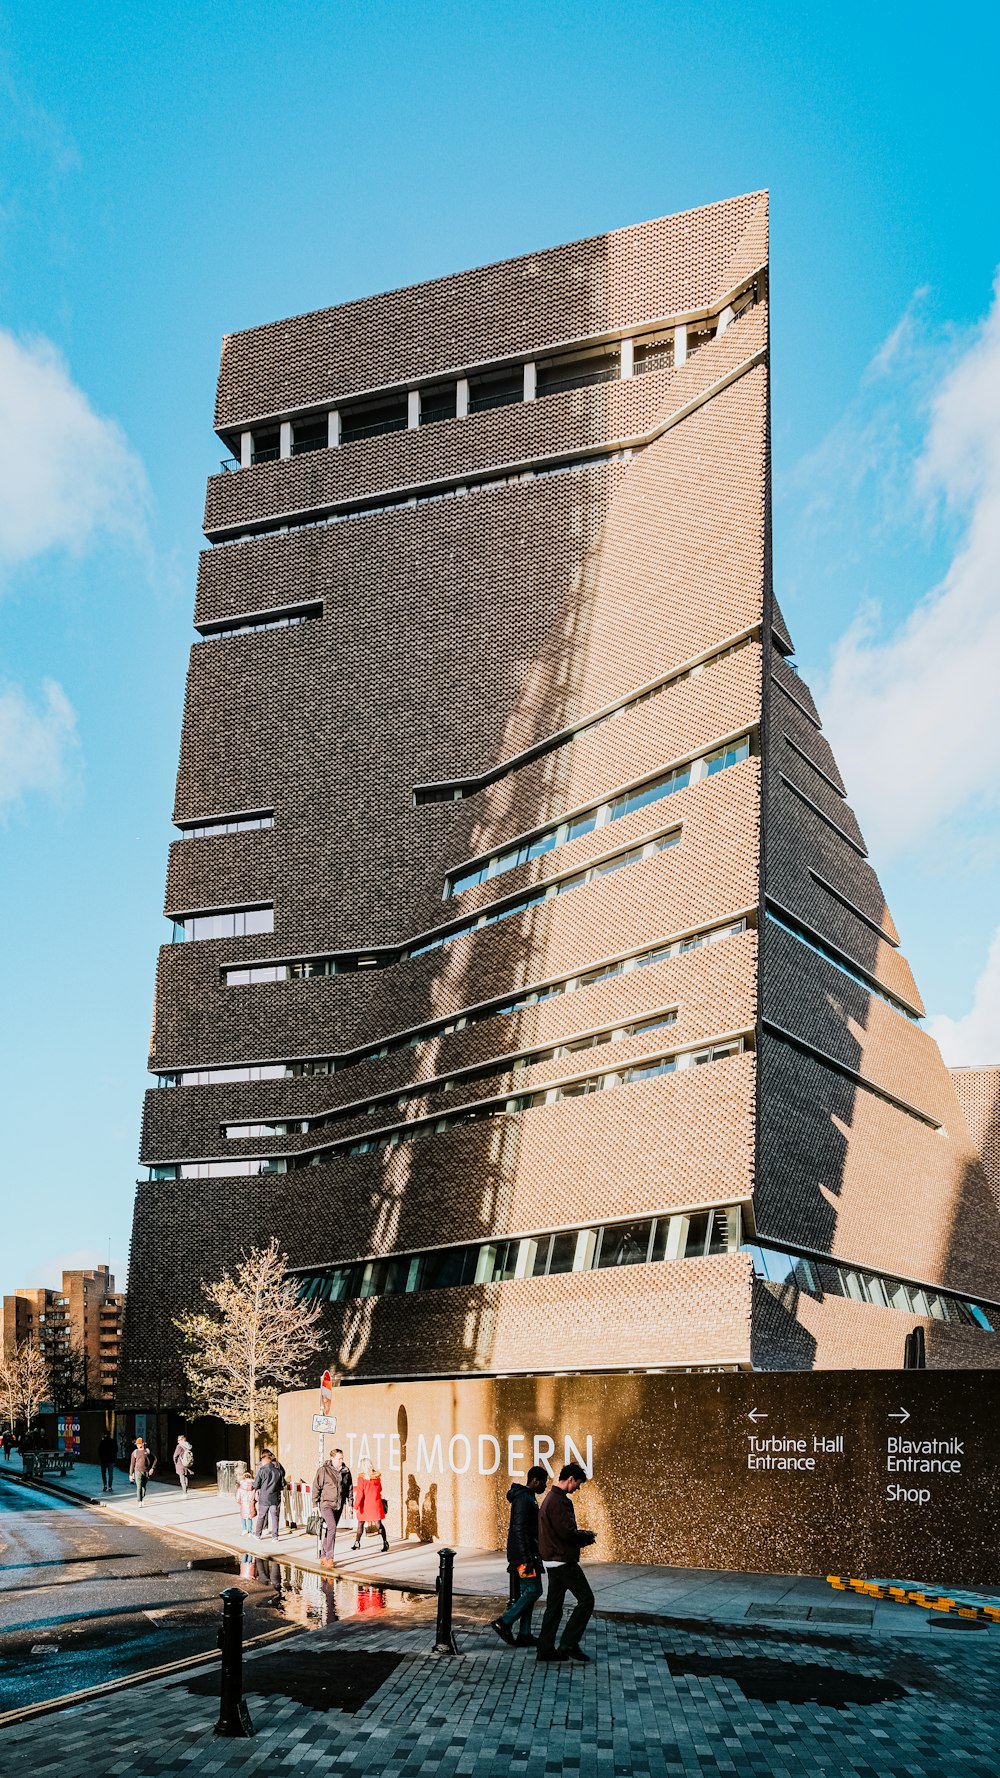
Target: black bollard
[[445, 1642], [234, 1717]]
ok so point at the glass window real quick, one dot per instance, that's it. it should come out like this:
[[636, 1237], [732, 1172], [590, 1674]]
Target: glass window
[[654, 1024], [576, 370], [540, 1264], [496, 388], [369, 418], [699, 333], [312, 434], [661, 1229], [437, 403], [266, 444], [654, 351], [627, 1245], [697, 1236], [563, 1252]]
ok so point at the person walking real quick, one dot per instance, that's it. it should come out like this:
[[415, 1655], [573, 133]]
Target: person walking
[[560, 1543], [107, 1451], [246, 1503], [142, 1467], [8, 1445], [184, 1460], [369, 1505], [268, 1481], [523, 1560], [331, 1491]]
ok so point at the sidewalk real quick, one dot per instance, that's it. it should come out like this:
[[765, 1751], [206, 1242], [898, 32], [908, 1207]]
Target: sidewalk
[[625, 1591]]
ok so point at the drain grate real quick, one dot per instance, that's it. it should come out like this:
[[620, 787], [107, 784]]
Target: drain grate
[[788, 1682], [319, 1680]]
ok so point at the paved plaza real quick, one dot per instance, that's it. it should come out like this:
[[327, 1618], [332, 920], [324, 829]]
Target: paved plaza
[[368, 1695], [690, 1673]]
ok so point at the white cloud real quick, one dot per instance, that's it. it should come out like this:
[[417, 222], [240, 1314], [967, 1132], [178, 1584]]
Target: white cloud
[[37, 741], [975, 1038], [912, 714], [66, 472]]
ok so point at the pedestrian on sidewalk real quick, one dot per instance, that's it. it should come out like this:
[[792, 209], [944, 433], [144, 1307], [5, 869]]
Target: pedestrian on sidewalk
[[369, 1504], [107, 1451], [524, 1563], [141, 1469], [8, 1445], [184, 1460], [560, 1543], [268, 1481], [246, 1501], [331, 1492]]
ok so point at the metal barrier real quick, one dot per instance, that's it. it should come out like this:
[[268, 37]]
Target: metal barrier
[[234, 1717], [444, 1642]]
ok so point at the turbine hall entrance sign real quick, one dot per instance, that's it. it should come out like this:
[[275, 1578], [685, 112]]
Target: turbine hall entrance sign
[[888, 1473]]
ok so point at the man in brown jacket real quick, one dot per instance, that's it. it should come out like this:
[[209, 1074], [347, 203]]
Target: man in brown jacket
[[560, 1543]]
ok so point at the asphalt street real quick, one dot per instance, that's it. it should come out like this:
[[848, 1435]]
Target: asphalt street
[[84, 1599]]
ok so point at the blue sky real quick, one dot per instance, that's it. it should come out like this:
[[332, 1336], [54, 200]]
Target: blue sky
[[169, 175]]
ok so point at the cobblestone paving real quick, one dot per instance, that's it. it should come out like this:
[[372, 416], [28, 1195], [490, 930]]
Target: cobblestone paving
[[656, 1699]]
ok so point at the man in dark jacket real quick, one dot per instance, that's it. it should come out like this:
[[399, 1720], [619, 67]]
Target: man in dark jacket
[[269, 1481], [523, 1561], [332, 1488], [107, 1451], [560, 1544]]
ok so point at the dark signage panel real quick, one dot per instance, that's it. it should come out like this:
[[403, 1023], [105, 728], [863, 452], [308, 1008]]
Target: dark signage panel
[[878, 1474], [874, 1473]]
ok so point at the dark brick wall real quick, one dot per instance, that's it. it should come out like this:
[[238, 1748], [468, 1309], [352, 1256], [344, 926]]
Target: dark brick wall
[[510, 309], [454, 635]]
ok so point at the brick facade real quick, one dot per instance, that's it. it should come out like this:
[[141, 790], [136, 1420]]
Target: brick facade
[[559, 557]]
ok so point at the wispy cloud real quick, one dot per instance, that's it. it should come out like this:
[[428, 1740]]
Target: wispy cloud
[[38, 742], [67, 473], [911, 710], [974, 1038]]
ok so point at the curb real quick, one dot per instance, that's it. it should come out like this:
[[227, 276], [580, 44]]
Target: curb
[[878, 1589]]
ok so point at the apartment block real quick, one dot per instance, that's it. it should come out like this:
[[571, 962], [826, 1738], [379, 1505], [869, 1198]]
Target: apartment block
[[80, 1322], [529, 977]]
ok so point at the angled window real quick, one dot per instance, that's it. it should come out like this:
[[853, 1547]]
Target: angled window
[[223, 923]]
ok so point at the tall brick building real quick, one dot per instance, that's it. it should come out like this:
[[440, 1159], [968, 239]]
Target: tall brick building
[[532, 982], [78, 1328]]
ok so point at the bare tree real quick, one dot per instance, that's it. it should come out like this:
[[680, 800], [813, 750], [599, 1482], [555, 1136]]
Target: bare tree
[[254, 1339], [24, 1383], [69, 1379]]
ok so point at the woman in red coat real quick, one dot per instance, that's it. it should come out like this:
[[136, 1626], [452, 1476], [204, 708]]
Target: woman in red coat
[[369, 1506]]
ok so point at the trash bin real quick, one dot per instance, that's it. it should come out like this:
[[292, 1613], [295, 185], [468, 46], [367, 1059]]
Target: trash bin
[[229, 1474]]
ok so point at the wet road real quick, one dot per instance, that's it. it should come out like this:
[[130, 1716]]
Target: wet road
[[84, 1599]]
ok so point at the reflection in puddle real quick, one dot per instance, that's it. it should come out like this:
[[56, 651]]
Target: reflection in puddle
[[315, 1600]]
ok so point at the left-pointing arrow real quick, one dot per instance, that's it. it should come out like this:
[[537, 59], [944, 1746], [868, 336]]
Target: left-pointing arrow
[[755, 1415]]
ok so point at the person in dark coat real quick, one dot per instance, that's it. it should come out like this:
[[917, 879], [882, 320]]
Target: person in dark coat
[[107, 1451], [523, 1560], [331, 1492], [560, 1543], [269, 1481], [142, 1467]]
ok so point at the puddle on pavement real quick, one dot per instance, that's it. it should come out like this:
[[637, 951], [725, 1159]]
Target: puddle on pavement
[[314, 1600]]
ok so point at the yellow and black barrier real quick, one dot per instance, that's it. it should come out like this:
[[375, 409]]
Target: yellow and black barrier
[[880, 1589]]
